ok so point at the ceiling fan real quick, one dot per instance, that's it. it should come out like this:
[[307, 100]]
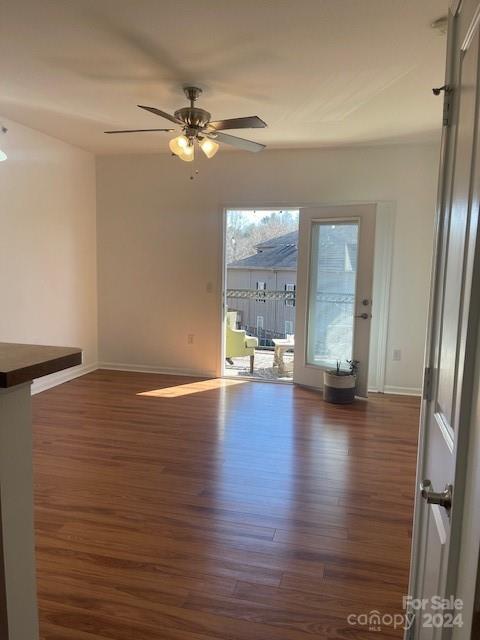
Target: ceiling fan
[[197, 127]]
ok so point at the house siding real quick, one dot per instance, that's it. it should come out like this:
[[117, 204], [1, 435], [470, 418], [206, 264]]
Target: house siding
[[274, 312]]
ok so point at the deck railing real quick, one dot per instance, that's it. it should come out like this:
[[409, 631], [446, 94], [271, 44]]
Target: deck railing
[[260, 294], [333, 302], [265, 294]]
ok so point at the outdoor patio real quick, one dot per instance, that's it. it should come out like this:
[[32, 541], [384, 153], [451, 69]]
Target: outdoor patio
[[263, 366]]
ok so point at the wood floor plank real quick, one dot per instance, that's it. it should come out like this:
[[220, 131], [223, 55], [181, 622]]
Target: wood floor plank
[[248, 512], [178, 563], [291, 599], [368, 589]]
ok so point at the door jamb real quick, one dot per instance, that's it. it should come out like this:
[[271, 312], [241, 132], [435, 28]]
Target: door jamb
[[382, 278]]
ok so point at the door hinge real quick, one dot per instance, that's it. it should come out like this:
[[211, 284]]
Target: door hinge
[[447, 103], [447, 107], [427, 383]]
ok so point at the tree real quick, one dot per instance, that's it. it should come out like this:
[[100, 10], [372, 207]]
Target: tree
[[243, 235]]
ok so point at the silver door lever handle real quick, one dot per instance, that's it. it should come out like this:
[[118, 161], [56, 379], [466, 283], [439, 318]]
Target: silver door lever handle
[[442, 498], [364, 316]]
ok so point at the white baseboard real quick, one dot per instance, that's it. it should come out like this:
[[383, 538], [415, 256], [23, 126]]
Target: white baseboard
[[47, 382], [42, 384], [146, 368], [402, 391]]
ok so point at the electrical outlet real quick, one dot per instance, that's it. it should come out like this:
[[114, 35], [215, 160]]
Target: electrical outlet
[[190, 338], [397, 355]]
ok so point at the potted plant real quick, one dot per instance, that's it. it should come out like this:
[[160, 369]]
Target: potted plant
[[339, 384]]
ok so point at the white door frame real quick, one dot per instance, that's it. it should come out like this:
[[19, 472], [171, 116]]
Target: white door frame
[[384, 242], [382, 278]]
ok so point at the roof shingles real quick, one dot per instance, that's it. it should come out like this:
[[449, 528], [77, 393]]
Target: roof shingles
[[338, 252]]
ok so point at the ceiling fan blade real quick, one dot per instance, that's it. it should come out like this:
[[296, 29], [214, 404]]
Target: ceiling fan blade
[[250, 122], [137, 130], [241, 143], [158, 112]]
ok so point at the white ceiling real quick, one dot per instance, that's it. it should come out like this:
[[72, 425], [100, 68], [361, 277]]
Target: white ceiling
[[319, 72]]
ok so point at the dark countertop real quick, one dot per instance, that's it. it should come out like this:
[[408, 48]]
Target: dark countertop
[[24, 362]]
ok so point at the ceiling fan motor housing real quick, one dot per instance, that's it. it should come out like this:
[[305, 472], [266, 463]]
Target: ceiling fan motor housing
[[193, 117]]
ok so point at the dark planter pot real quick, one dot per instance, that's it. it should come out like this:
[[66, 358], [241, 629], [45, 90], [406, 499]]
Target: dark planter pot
[[338, 389]]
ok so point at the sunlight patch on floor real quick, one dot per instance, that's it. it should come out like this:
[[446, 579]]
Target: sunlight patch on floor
[[193, 387]]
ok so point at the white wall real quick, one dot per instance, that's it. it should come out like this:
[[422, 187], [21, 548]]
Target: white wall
[[160, 234], [48, 277]]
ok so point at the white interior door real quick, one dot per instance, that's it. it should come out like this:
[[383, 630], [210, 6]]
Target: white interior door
[[450, 346], [334, 291]]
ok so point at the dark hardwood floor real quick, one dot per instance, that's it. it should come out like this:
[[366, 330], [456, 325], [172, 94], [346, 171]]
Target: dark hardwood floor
[[251, 511]]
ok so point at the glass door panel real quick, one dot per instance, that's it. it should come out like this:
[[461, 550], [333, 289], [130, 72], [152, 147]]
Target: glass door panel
[[332, 288]]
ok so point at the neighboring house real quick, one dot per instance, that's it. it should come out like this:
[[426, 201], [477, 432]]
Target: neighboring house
[[272, 268], [335, 249]]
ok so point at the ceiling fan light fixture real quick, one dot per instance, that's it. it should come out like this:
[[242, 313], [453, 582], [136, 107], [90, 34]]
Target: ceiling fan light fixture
[[178, 145], [209, 147], [187, 154]]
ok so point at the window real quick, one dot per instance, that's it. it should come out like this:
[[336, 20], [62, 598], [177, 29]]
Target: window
[[259, 323], [290, 287], [288, 327], [261, 286]]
